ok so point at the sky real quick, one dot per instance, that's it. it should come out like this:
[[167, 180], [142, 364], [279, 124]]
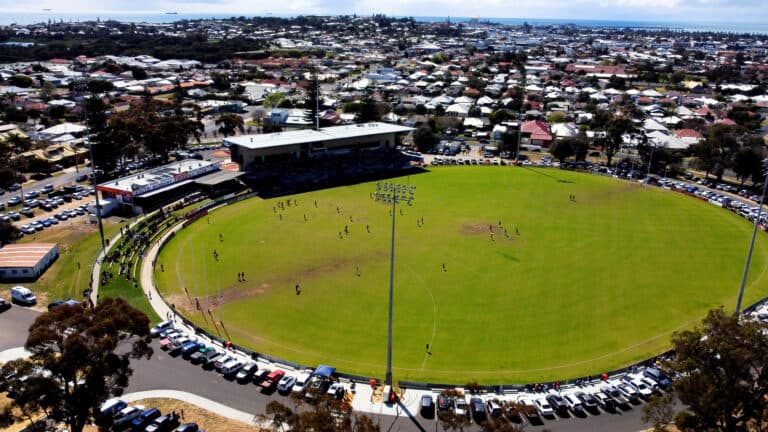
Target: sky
[[709, 11]]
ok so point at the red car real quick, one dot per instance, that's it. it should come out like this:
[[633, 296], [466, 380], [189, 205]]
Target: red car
[[272, 379]]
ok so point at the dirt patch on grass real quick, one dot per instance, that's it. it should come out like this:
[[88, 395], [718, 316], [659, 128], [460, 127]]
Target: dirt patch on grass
[[252, 289], [476, 228], [206, 420]]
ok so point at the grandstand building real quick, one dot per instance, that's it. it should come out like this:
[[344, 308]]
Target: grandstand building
[[305, 157]]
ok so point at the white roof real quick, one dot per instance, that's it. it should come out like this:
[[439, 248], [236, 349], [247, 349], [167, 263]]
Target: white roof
[[311, 135], [64, 128]]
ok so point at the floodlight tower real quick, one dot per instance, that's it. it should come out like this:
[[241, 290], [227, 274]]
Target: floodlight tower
[[392, 194], [752, 242]]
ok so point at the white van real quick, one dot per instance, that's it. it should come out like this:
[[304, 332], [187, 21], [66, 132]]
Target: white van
[[23, 295]]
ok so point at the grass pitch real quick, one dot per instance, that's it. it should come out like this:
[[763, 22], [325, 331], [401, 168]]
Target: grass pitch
[[585, 287]]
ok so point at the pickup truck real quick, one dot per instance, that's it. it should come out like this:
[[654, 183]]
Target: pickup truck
[[270, 382]]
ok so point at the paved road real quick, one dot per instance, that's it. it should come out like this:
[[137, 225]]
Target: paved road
[[165, 372]]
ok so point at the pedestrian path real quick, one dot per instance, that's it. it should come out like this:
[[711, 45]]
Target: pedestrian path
[[14, 354], [193, 399]]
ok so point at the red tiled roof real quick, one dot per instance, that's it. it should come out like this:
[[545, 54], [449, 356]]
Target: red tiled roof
[[538, 129], [726, 121], [687, 133]]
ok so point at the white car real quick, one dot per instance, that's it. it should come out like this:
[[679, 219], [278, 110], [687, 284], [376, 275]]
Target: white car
[[545, 409], [286, 383], [460, 407], [574, 404], [644, 389], [336, 390], [302, 381]]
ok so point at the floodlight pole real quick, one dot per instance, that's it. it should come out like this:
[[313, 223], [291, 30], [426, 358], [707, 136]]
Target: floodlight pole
[[752, 242], [84, 86], [388, 378], [397, 193]]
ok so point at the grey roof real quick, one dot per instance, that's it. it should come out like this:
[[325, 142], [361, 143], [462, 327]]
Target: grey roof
[[311, 135]]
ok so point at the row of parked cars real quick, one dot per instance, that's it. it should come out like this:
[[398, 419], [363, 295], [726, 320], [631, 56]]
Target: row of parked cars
[[609, 396], [118, 416], [233, 368]]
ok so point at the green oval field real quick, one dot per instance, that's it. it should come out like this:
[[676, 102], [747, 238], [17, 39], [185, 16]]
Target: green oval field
[[585, 286]]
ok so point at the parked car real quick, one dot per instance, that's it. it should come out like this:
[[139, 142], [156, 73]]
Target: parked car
[[4, 305], [604, 401], [272, 379], [461, 407], [656, 375], [336, 390], [317, 387], [145, 418], [494, 408], [14, 200], [190, 348], [156, 330], [23, 295], [246, 372], [615, 394], [427, 407], [574, 404], [630, 392], [286, 383], [124, 418], [187, 427], [558, 403], [81, 177], [545, 409], [588, 401], [302, 381], [477, 408], [231, 368], [162, 424]]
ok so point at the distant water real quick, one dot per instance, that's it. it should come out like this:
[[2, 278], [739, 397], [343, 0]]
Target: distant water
[[38, 17]]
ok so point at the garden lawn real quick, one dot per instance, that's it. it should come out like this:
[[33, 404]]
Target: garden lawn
[[586, 286]]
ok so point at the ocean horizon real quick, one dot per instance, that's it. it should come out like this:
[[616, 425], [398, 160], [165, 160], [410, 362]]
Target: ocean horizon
[[159, 18]]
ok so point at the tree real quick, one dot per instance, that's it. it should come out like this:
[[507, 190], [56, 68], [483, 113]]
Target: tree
[[86, 353], [311, 102], [20, 80], [230, 123], [138, 73], [557, 117], [424, 139], [326, 414], [614, 130], [561, 150], [722, 375], [746, 162], [273, 100], [97, 86]]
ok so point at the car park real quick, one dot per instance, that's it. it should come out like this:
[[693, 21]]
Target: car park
[[221, 361], [27, 211], [427, 406], [201, 355], [246, 372], [286, 383], [260, 376], [4, 305], [14, 200], [190, 348], [14, 215], [545, 409]]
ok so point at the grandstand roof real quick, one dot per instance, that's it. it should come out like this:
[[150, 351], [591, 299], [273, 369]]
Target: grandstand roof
[[310, 135]]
